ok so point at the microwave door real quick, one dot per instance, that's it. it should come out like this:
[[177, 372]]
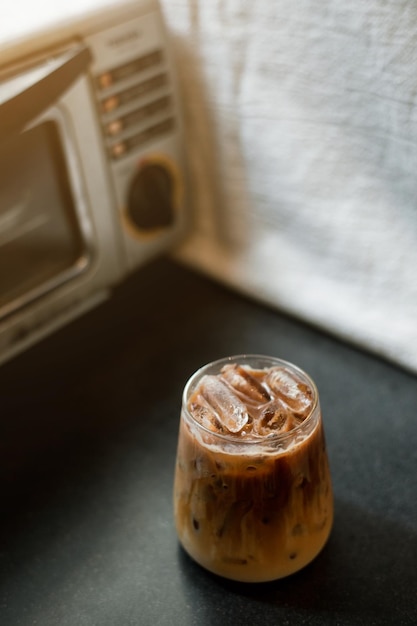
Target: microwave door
[[25, 96], [41, 241]]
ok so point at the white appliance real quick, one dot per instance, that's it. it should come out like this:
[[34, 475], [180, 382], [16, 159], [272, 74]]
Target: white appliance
[[92, 170]]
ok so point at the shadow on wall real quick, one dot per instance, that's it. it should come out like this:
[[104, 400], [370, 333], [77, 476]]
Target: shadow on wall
[[210, 154]]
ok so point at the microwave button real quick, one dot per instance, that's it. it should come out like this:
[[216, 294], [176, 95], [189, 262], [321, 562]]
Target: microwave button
[[105, 80], [118, 150], [109, 104], [149, 133], [156, 106], [133, 93], [122, 72], [121, 148], [114, 127], [138, 115]]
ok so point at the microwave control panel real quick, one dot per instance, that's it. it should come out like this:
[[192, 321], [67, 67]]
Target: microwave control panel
[[137, 106]]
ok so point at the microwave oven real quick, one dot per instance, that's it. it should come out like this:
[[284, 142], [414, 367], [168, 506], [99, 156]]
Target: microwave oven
[[92, 169]]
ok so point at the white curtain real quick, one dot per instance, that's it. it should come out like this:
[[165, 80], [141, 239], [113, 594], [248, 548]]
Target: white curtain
[[301, 122]]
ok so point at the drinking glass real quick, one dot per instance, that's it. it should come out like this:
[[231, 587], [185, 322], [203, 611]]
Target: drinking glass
[[249, 506]]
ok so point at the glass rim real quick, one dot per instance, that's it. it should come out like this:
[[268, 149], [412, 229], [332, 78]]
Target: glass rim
[[231, 438]]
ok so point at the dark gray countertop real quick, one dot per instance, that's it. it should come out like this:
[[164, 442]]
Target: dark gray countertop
[[89, 426]]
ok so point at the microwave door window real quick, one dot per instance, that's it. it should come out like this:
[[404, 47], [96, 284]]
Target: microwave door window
[[41, 243]]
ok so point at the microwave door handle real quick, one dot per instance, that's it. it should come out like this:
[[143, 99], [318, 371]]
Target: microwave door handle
[[25, 96]]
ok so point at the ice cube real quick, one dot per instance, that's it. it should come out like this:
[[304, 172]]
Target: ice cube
[[205, 417], [274, 418], [229, 409], [241, 380], [293, 391]]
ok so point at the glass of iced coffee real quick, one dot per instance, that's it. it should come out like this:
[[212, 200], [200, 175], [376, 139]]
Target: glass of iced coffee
[[252, 494]]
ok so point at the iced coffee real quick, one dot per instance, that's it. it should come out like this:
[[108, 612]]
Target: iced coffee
[[252, 494]]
